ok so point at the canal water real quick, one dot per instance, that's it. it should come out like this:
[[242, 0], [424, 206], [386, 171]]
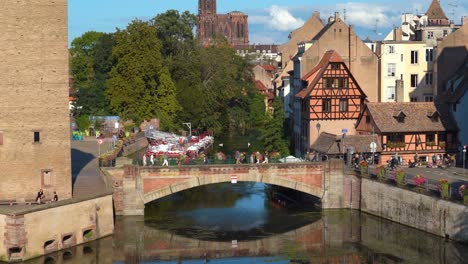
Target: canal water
[[239, 223]]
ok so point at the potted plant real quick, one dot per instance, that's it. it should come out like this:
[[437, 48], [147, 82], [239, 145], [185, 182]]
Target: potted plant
[[363, 165], [419, 181], [380, 172], [444, 188], [463, 191], [400, 177]]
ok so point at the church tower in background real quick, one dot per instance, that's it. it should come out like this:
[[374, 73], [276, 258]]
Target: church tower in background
[[233, 26]]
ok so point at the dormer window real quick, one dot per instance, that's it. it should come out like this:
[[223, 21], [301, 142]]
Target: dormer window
[[434, 116], [400, 117]]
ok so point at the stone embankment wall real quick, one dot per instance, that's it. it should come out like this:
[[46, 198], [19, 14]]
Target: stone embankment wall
[[29, 234], [430, 214]]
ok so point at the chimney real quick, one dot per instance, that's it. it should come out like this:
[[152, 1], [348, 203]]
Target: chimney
[[464, 20], [337, 15], [399, 91]]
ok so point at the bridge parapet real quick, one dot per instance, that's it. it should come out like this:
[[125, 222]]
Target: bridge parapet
[[137, 186]]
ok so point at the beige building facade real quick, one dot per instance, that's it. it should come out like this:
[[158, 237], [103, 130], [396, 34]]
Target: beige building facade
[[407, 71], [34, 119]]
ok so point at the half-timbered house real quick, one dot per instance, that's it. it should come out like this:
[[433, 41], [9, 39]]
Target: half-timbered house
[[331, 101], [409, 130]]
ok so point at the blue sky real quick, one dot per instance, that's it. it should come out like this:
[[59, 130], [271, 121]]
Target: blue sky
[[270, 21]]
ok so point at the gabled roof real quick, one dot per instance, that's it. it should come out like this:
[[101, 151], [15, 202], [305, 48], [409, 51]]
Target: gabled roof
[[316, 73], [435, 11], [416, 117]]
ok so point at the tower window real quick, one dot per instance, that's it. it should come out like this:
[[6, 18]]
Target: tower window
[[37, 137]]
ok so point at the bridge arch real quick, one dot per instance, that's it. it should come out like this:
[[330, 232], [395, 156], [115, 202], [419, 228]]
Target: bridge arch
[[159, 183]]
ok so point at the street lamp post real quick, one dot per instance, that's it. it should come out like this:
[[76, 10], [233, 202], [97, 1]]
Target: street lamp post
[[189, 125], [318, 135]]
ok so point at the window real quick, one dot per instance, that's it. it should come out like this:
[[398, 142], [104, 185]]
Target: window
[[401, 118], [37, 137], [430, 35], [343, 105], [391, 93], [1, 138], [414, 80], [335, 66], [343, 83], [336, 83], [429, 78], [367, 119], [428, 98], [429, 55], [391, 49], [46, 178], [430, 139], [391, 69], [413, 99], [396, 138], [401, 57], [414, 57], [326, 105], [445, 33], [327, 82]]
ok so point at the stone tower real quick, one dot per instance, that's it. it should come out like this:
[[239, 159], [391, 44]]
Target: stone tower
[[233, 26], [34, 115]]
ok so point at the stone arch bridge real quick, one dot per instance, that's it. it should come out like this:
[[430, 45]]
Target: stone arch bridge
[[135, 186]]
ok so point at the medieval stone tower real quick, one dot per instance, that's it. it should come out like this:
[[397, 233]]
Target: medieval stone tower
[[234, 25], [34, 115]]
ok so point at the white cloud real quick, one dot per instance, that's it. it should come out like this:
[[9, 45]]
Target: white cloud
[[278, 18]]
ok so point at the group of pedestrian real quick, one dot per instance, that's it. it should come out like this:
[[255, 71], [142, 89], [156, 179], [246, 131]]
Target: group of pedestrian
[[40, 198], [254, 157], [152, 160]]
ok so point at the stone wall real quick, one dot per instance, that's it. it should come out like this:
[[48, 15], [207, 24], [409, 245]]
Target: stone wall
[[430, 214], [34, 99], [32, 234]]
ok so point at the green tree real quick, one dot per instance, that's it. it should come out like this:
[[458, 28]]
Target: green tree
[[273, 135], [133, 80], [175, 31], [90, 64], [83, 122], [166, 105]]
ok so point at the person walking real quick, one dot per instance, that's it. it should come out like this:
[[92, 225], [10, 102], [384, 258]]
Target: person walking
[[55, 199], [165, 162], [205, 160], [152, 160], [144, 160], [265, 161], [40, 196]]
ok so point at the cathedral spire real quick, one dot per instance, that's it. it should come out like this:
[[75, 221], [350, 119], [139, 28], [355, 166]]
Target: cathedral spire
[[207, 7]]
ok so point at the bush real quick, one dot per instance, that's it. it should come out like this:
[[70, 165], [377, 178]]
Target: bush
[[380, 171], [444, 187], [363, 165], [400, 177]]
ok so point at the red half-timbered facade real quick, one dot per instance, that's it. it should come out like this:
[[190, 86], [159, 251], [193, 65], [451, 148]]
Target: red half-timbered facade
[[409, 130], [331, 101]]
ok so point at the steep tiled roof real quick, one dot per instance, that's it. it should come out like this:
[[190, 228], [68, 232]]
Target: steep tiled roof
[[268, 67], [333, 144], [435, 11], [418, 117], [260, 86]]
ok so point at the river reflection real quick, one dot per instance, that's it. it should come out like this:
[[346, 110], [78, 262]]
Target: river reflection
[[246, 228]]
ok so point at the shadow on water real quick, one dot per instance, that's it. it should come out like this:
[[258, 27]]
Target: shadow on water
[[79, 161]]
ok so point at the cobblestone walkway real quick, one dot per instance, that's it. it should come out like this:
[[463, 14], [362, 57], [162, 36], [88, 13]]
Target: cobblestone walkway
[[85, 171]]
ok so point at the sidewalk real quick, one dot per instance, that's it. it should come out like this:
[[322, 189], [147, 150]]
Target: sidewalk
[[85, 171]]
